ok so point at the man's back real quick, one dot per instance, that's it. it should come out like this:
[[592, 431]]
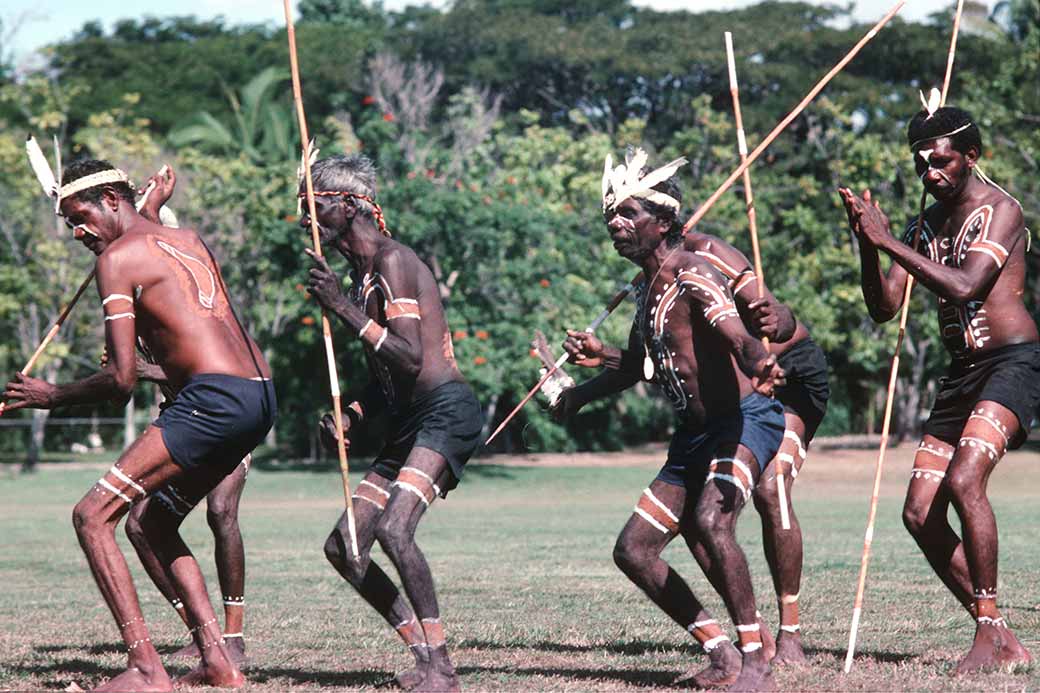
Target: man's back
[[183, 316]]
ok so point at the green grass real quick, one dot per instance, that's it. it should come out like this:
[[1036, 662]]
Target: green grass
[[529, 594]]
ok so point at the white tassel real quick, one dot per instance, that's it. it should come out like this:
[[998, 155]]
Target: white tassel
[[931, 104]]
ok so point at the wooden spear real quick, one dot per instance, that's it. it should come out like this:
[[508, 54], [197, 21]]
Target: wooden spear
[[893, 375], [326, 328], [749, 201], [593, 326]]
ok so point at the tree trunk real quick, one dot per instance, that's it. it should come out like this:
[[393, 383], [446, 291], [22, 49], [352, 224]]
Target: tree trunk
[[129, 430], [39, 422]]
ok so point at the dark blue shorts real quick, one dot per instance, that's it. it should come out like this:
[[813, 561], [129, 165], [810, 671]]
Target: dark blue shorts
[[758, 426], [447, 420], [216, 420]]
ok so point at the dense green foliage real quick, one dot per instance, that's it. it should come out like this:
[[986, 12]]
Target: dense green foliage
[[489, 122]]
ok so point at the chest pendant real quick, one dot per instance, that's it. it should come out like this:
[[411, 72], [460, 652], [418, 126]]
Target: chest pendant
[[648, 365]]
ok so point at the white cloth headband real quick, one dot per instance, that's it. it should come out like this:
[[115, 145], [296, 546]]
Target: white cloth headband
[[112, 175], [951, 133], [623, 181]]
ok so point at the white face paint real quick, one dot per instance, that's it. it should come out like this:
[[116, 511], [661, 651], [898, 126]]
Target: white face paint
[[86, 229]]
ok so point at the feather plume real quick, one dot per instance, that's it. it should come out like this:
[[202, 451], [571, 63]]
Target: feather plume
[[41, 167], [662, 174], [608, 169], [931, 104]]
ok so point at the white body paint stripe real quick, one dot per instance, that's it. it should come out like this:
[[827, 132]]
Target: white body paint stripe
[[127, 480], [731, 479], [752, 628], [384, 492], [104, 483], [116, 297], [790, 629], [751, 647], [436, 488], [411, 489], [710, 645], [653, 523], [117, 316], [373, 502], [410, 316], [382, 338], [653, 499]]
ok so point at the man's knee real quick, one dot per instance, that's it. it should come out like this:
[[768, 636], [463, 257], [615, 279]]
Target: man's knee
[[714, 523], [965, 482], [394, 535], [917, 517], [222, 515], [631, 557], [135, 527], [339, 554], [89, 518], [767, 497]]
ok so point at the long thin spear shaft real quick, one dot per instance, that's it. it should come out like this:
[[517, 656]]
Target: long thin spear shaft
[[703, 209], [326, 328], [593, 326], [749, 201], [868, 538], [53, 332]]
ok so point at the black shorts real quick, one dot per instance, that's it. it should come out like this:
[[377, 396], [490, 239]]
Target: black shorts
[[807, 390], [1009, 376], [447, 420], [216, 420], [758, 425]]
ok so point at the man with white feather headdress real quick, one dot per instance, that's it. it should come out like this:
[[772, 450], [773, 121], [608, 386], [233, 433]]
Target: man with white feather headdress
[[161, 287], [689, 339], [971, 253]]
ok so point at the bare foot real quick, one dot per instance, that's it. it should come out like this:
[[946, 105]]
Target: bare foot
[[1013, 653], [788, 649], [409, 678], [768, 643], [755, 674], [205, 675], [985, 650], [723, 669], [133, 679], [439, 676]]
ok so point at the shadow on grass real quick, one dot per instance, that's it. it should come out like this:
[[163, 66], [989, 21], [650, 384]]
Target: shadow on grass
[[69, 669], [644, 678], [886, 657], [99, 648], [632, 647], [344, 679]]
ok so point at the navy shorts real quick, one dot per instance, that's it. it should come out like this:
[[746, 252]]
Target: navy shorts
[[758, 426], [447, 420], [807, 390], [216, 420]]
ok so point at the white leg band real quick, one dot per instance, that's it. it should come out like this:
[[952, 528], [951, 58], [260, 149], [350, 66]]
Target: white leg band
[[411, 489], [382, 491], [710, 645], [369, 500], [436, 488], [664, 508], [654, 523], [753, 628], [751, 647], [790, 629], [732, 480], [109, 487], [127, 480]]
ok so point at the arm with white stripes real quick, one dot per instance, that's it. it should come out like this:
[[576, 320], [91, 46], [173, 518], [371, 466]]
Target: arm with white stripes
[[114, 382]]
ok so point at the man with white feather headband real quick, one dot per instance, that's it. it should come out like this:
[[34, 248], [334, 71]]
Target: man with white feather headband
[[159, 287], [689, 339], [971, 253]]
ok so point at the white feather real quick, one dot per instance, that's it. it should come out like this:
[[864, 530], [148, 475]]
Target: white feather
[[931, 104], [608, 168], [41, 167], [662, 174]]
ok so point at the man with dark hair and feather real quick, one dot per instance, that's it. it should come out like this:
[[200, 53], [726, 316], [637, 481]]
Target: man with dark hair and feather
[[970, 251], [159, 287]]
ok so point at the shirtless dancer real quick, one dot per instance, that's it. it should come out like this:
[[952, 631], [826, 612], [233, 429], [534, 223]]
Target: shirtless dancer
[[971, 255], [804, 397], [689, 339], [395, 309], [161, 285], [221, 503]]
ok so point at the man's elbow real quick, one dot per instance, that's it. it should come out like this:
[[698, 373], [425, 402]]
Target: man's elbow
[[123, 387], [967, 291]]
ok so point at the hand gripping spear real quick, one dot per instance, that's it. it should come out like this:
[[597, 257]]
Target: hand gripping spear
[[868, 537], [34, 155], [330, 355], [703, 209], [749, 201]]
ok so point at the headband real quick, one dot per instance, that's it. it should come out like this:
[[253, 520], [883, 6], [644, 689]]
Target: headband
[[377, 211]]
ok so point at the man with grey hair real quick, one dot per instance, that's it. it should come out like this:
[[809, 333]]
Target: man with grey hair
[[395, 308]]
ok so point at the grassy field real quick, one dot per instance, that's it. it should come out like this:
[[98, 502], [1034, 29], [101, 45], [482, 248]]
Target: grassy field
[[529, 594]]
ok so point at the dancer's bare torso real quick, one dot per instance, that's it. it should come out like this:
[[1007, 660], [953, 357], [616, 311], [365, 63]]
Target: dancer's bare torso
[[167, 280]]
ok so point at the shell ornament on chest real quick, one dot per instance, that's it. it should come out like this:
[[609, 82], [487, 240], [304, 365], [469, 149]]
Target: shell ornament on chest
[[658, 357]]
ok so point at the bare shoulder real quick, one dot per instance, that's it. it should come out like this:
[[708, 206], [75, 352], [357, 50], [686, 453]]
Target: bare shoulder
[[1007, 210], [397, 260], [695, 262]]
